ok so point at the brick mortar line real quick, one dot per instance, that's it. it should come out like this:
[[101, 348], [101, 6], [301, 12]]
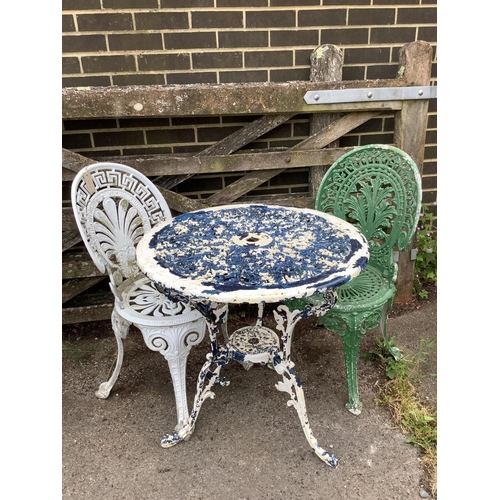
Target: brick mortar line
[[269, 29], [265, 9], [220, 70], [168, 128], [202, 50], [243, 50], [121, 147], [80, 55], [237, 70], [201, 143], [160, 52], [263, 48]]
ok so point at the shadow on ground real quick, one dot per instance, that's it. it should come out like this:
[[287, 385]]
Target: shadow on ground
[[247, 444]]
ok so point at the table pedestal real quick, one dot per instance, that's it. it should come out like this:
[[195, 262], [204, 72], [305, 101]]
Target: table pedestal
[[255, 345]]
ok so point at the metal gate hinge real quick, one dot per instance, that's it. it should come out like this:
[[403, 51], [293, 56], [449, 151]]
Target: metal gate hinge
[[370, 94]]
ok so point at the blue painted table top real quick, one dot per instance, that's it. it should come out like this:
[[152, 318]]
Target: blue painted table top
[[252, 253]]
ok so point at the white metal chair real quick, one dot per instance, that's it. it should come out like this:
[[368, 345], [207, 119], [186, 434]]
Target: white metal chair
[[114, 205]]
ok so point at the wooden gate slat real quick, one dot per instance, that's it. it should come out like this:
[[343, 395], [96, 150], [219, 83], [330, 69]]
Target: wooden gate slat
[[180, 203], [87, 313], [329, 134], [74, 161], [209, 100], [232, 143], [247, 134], [262, 159], [336, 130], [68, 219], [79, 266], [70, 238], [297, 200], [242, 186], [74, 287], [169, 181]]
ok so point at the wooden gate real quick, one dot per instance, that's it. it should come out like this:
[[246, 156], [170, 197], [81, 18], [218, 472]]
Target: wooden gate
[[275, 104]]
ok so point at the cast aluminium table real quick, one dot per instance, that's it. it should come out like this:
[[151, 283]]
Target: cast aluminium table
[[255, 254]]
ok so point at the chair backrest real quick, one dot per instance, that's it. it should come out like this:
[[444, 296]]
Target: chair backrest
[[114, 205], [377, 188]]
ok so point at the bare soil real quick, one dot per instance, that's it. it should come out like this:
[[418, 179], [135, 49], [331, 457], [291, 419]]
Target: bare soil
[[247, 444]]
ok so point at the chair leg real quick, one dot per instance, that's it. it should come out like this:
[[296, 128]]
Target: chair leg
[[396, 353], [351, 329], [351, 339], [120, 328], [175, 343]]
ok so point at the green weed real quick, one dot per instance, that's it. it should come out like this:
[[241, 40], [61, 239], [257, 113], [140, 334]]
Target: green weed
[[426, 260], [416, 420]]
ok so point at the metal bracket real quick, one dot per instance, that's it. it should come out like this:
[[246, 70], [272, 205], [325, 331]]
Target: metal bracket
[[413, 253], [370, 94], [395, 256]]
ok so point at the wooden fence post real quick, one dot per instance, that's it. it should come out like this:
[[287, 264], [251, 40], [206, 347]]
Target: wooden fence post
[[326, 66], [410, 126]]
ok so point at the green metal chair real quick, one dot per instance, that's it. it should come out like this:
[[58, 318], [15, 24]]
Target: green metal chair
[[377, 188]]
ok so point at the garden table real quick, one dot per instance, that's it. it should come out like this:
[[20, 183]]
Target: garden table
[[252, 254]]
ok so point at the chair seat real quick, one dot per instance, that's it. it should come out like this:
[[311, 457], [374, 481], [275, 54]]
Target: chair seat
[[138, 301], [367, 291]]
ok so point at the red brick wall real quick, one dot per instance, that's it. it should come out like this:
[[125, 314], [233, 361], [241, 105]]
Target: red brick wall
[[115, 42]]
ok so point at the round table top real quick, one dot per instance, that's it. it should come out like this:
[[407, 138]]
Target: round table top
[[252, 253]]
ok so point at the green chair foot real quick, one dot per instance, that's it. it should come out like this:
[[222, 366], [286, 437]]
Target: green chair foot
[[354, 408], [396, 353]]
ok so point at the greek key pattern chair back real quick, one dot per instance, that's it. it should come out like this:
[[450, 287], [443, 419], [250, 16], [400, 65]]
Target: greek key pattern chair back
[[114, 206], [377, 189]]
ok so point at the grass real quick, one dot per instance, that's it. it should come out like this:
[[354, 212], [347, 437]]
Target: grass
[[77, 353], [417, 421]]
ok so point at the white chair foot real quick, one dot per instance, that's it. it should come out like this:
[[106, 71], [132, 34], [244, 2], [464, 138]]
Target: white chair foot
[[104, 390]]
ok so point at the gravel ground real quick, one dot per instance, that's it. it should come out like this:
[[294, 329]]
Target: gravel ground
[[247, 444]]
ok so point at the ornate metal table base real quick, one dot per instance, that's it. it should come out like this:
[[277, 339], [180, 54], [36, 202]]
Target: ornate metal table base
[[253, 254], [251, 345]]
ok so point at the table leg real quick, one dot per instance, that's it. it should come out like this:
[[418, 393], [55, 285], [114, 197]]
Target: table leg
[[219, 357], [285, 323], [292, 384], [208, 376]]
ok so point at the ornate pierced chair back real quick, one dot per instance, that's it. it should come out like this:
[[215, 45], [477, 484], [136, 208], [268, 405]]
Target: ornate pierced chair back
[[377, 188], [114, 205]]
